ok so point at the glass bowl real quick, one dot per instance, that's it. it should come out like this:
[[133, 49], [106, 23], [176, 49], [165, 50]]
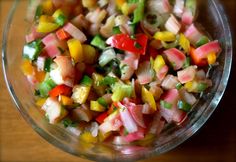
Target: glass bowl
[[13, 40]]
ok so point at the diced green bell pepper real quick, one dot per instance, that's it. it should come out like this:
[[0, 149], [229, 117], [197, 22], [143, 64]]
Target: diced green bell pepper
[[98, 42]]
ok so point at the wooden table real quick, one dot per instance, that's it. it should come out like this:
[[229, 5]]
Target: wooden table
[[215, 142]]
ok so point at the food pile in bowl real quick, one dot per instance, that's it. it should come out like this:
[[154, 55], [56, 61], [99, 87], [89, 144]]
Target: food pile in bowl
[[117, 70]]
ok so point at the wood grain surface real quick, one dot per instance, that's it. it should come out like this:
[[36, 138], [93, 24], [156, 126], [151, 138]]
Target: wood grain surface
[[214, 142]]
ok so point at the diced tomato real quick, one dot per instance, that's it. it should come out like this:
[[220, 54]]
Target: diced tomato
[[89, 70], [114, 106], [60, 90], [137, 44], [152, 52], [78, 76], [196, 59], [62, 34], [101, 117]]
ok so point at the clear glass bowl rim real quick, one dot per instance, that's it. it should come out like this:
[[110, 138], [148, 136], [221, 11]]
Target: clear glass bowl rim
[[168, 146]]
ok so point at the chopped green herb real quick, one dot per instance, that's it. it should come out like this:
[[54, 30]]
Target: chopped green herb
[[47, 64], [36, 92], [165, 104], [61, 50], [107, 81], [68, 123], [137, 45], [39, 12]]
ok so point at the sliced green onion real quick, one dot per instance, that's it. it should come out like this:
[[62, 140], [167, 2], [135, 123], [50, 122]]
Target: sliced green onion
[[46, 86], [184, 106], [203, 40], [187, 62], [178, 86], [39, 12], [165, 104]]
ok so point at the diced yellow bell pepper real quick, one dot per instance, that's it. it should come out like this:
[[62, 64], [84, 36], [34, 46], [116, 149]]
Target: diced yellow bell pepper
[[89, 3], [80, 93], [95, 106], [147, 97], [125, 8], [120, 3], [159, 62], [40, 102], [89, 54], [46, 27], [147, 140], [184, 43], [27, 68], [46, 18], [47, 6], [96, 79], [66, 101], [40, 76], [87, 137], [165, 36], [191, 86], [76, 50], [102, 137], [211, 58]]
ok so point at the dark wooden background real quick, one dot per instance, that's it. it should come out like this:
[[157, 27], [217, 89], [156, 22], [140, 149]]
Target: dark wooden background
[[214, 142]]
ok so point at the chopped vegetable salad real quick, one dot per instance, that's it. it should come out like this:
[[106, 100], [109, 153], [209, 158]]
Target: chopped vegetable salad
[[117, 70]]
